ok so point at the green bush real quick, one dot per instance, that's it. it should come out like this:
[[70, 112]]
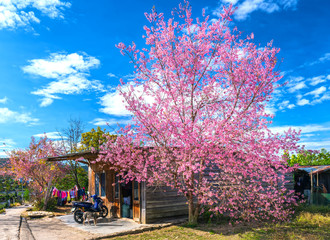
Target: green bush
[[2, 206], [313, 209], [38, 205], [210, 217], [26, 195]]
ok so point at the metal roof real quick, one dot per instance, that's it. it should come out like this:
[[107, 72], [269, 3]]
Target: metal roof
[[314, 169], [88, 155]]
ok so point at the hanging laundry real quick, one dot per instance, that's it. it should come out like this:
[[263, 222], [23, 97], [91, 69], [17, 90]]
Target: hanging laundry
[[64, 196]]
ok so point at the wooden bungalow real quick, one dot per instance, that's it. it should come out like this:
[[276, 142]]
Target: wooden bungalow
[[314, 183], [144, 204]]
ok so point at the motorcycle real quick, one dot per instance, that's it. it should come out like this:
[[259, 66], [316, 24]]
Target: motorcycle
[[78, 208]]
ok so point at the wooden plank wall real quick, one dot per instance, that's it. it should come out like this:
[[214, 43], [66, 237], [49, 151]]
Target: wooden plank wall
[[164, 202], [289, 177], [108, 199], [91, 181]]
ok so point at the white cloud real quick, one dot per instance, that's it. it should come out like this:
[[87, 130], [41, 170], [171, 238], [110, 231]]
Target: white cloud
[[302, 102], [3, 100], [230, 1], [246, 7], [46, 102], [325, 97], [3, 155], [309, 135], [51, 135], [130, 77], [9, 116], [326, 57], [290, 106], [110, 121], [304, 129], [317, 92], [113, 104], [295, 84], [270, 109], [316, 144], [21, 13], [111, 75], [297, 87], [70, 72], [318, 79], [6, 145], [285, 104], [296, 79], [250, 6], [58, 65], [192, 29]]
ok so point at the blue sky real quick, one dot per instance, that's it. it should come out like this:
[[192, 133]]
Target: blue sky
[[58, 61]]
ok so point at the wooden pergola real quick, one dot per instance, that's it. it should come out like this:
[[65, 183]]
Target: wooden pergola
[[82, 157]]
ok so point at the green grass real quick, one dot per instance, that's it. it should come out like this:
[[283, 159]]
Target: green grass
[[173, 232], [308, 223]]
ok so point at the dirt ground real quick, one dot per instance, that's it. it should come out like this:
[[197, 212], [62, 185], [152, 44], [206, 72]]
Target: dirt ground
[[54, 229]]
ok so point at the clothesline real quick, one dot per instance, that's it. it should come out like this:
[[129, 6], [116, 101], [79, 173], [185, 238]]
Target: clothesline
[[64, 196]]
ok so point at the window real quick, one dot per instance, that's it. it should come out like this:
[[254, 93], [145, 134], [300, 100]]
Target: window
[[136, 191], [97, 184], [102, 184], [116, 187]]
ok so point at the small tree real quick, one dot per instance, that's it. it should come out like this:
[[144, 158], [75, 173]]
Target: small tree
[[67, 181], [31, 166], [71, 139], [200, 126], [309, 158], [94, 139]]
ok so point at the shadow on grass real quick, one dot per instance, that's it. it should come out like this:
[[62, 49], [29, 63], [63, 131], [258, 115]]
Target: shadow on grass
[[309, 222]]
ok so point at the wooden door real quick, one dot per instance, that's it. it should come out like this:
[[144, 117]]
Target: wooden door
[[136, 200], [116, 197]]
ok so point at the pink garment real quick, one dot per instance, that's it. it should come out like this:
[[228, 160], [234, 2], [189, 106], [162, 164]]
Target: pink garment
[[63, 194], [54, 192]]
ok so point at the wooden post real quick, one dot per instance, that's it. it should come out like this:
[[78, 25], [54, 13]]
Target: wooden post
[[311, 198], [317, 179], [143, 203]]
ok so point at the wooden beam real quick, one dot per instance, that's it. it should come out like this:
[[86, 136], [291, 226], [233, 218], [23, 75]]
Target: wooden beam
[[312, 189]]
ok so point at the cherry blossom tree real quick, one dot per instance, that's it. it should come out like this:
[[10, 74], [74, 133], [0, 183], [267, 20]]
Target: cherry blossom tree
[[31, 166], [199, 120]]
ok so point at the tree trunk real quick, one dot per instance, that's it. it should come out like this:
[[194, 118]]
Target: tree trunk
[[193, 210], [47, 195]]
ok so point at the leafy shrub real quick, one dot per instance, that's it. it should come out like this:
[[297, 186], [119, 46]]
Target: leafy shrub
[[16, 204], [26, 195], [312, 209], [2, 206], [208, 216], [38, 204]]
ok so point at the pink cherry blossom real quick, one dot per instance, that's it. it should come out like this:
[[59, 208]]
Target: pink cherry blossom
[[199, 122]]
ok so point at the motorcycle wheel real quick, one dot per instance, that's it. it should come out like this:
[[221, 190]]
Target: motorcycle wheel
[[78, 216], [104, 211]]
